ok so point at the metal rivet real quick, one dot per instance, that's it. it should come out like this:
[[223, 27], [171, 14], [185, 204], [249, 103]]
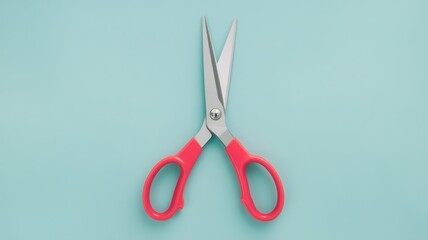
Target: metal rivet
[[215, 114]]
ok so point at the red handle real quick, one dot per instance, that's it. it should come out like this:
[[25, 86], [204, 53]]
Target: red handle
[[240, 159], [185, 159]]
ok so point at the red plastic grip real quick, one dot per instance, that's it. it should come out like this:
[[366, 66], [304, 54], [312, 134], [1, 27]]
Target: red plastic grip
[[240, 159], [185, 159]]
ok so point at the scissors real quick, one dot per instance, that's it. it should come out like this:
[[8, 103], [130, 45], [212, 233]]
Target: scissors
[[216, 81]]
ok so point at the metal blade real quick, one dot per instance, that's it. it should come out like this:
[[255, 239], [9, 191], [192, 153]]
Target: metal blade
[[213, 94], [212, 82], [224, 64]]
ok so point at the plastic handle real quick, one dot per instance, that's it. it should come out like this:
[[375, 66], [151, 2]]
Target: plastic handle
[[185, 159], [240, 159]]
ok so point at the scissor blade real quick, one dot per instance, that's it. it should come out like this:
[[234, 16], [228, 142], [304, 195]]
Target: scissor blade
[[213, 94], [224, 64]]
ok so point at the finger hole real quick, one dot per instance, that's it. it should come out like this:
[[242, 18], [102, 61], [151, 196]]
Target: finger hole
[[262, 187], [163, 187]]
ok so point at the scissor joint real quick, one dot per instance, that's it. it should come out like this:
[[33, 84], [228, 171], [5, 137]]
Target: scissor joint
[[215, 114]]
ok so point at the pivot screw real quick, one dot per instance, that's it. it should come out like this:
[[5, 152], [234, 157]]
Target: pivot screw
[[215, 114]]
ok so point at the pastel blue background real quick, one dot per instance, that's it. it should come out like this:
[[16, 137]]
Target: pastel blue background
[[94, 93]]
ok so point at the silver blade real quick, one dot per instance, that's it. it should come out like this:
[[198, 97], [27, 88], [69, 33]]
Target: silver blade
[[224, 64], [212, 82], [213, 93]]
